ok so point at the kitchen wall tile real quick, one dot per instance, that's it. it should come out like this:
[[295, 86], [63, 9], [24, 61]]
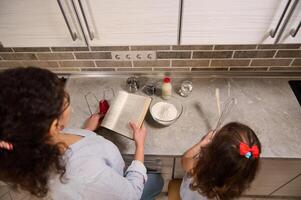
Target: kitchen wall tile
[[279, 46], [190, 63], [135, 69], [174, 69], [192, 47], [69, 49], [150, 48], [18, 56], [40, 63], [55, 56], [250, 69], [290, 69], [77, 64], [212, 54], [8, 64], [97, 69], [232, 57], [297, 62], [235, 47], [199, 69], [113, 63], [216, 63], [254, 54], [271, 62], [174, 54], [152, 63], [288, 53], [93, 55], [31, 49], [110, 48], [64, 69], [4, 49]]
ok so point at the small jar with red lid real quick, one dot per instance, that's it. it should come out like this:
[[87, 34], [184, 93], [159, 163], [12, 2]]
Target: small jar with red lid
[[166, 88]]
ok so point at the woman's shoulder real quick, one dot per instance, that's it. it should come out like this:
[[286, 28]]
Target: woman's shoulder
[[91, 145], [80, 132]]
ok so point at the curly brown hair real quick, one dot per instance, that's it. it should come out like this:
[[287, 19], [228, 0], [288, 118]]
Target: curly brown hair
[[221, 172], [30, 100]]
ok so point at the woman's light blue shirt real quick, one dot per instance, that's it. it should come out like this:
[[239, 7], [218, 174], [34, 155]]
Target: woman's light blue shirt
[[95, 170]]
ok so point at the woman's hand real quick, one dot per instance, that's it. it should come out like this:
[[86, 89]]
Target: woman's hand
[[139, 138], [139, 134], [93, 122]]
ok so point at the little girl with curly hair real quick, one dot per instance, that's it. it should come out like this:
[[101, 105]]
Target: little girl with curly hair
[[222, 165]]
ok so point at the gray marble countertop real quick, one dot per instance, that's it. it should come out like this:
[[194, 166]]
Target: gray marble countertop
[[267, 105]]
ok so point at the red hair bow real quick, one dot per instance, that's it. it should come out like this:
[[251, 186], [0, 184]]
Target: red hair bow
[[245, 150]]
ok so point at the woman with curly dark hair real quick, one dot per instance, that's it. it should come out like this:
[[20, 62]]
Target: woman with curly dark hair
[[222, 165], [38, 154]]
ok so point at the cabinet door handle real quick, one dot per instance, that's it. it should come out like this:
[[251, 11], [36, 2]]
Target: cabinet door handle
[[91, 35], [274, 32], [80, 24], [289, 15], [73, 34], [295, 31], [180, 19]]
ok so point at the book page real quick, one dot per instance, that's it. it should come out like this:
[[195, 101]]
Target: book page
[[115, 110], [134, 110], [125, 108]]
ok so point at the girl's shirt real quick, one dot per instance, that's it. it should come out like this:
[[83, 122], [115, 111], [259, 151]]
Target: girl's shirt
[[186, 193], [95, 170]]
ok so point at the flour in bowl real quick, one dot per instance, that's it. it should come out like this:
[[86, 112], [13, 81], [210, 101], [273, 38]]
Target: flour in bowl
[[164, 111]]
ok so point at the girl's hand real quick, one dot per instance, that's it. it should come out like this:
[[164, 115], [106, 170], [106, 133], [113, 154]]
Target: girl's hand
[[139, 134], [93, 122]]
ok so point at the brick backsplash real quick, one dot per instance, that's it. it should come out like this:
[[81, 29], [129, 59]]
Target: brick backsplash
[[179, 58]]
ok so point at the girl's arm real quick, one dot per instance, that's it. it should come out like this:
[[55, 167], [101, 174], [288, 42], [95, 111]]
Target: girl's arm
[[189, 157]]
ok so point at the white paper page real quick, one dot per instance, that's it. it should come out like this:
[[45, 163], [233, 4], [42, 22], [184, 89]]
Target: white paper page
[[130, 112], [115, 110]]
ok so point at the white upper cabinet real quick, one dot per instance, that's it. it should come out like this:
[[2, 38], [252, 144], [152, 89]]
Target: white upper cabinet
[[135, 22], [33, 23], [230, 21]]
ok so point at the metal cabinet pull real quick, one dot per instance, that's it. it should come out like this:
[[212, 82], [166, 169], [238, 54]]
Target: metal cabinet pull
[[73, 34], [91, 35], [289, 15], [274, 32], [180, 19], [80, 24], [295, 31]]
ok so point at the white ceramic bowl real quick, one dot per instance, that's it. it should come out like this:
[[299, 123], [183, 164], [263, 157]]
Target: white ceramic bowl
[[167, 120]]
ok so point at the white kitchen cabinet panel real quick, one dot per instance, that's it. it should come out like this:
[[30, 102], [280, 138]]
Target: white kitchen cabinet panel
[[230, 21], [273, 174], [34, 23], [293, 24], [291, 189], [135, 22]]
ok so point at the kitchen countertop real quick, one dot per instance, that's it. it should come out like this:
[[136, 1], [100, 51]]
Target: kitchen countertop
[[267, 105]]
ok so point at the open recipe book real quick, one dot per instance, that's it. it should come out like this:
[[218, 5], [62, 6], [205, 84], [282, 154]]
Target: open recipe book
[[126, 107]]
